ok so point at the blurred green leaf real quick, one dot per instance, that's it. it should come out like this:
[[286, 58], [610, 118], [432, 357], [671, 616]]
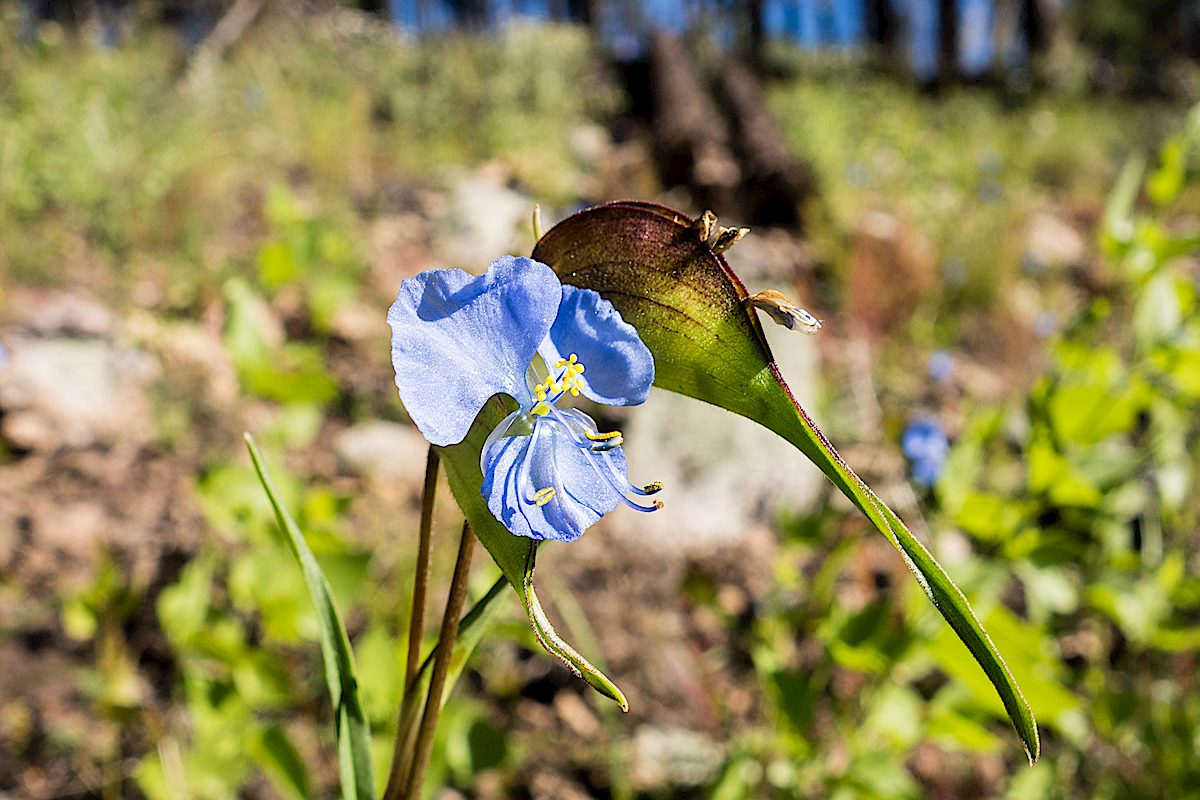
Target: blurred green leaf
[[277, 756], [353, 732], [1164, 184], [688, 308]]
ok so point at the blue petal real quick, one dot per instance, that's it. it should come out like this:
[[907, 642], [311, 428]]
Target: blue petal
[[516, 467], [457, 340], [618, 367]]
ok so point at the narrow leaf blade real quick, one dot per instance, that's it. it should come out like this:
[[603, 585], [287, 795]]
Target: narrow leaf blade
[[353, 731], [688, 307]]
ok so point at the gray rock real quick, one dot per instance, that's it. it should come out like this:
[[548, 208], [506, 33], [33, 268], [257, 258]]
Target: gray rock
[[725, 475], [664, 757], [59, 392], [384, 450], [482, 220]]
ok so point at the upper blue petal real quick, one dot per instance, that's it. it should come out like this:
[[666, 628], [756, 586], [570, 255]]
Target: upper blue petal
[[457, 340], [618, 368], [516, 467]]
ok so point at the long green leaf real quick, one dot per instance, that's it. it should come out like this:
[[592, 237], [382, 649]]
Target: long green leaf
[[689, 309], [353, 731], [514, 555]]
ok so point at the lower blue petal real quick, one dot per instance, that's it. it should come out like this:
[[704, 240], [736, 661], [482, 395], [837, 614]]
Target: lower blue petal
[[517, 467], [618, 367]]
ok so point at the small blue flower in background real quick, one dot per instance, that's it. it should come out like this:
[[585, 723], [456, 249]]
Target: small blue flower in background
[[1046, 325], [941, 365], [458, 340], [925, 446]]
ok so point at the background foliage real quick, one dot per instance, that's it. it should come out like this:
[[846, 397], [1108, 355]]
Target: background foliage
[[267, 201]]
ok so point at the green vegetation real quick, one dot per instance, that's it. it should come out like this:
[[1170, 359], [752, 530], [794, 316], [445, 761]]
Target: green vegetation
[[243, 197]]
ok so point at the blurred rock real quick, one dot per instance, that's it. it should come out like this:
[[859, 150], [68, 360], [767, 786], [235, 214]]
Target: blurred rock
[[577, 715], [384, 449], [590, 144], [726, 476], [197, 360], [61, 392], [482, 220], [673, 757], [1054, 243], [54, 313]]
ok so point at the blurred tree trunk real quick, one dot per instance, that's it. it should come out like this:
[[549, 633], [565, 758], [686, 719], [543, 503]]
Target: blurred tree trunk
[[693, 142], [881, 29], [947, 41], [774, 182], [1034, 29], [470, 15], [758, 39]]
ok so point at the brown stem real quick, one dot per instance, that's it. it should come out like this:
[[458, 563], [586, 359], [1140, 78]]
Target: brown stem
[[421, 579], [416, 622], [441, 665]]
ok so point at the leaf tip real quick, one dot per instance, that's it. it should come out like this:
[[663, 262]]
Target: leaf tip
[[1033, 749]]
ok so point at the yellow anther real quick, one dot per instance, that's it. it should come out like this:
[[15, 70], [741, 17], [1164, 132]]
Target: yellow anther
[[543, 496], [651, 488], [574, 391], [601, 437], [579, 369]]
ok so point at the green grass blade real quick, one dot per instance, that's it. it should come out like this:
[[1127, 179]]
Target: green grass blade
[[353, 732]]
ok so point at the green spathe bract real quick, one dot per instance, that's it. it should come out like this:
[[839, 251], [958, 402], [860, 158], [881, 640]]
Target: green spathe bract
[[688, 308]]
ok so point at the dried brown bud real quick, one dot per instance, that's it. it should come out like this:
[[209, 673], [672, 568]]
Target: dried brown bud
[[706, 225], [727, 238], [784, 311]]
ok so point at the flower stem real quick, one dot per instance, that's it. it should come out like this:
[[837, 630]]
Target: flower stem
[[441, 665], [416, 625], [416, 621]]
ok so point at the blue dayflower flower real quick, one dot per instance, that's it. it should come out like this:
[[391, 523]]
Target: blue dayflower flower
[[458, 340], [926, 446]]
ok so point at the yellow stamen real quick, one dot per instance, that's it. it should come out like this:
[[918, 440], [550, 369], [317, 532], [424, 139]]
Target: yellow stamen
[[543, 496], [651, 488]]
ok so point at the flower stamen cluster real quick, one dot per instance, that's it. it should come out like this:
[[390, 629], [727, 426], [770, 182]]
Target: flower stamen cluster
[[568, 381]]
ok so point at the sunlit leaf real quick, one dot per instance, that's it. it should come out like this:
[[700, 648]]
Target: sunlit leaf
[[689, 309]]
